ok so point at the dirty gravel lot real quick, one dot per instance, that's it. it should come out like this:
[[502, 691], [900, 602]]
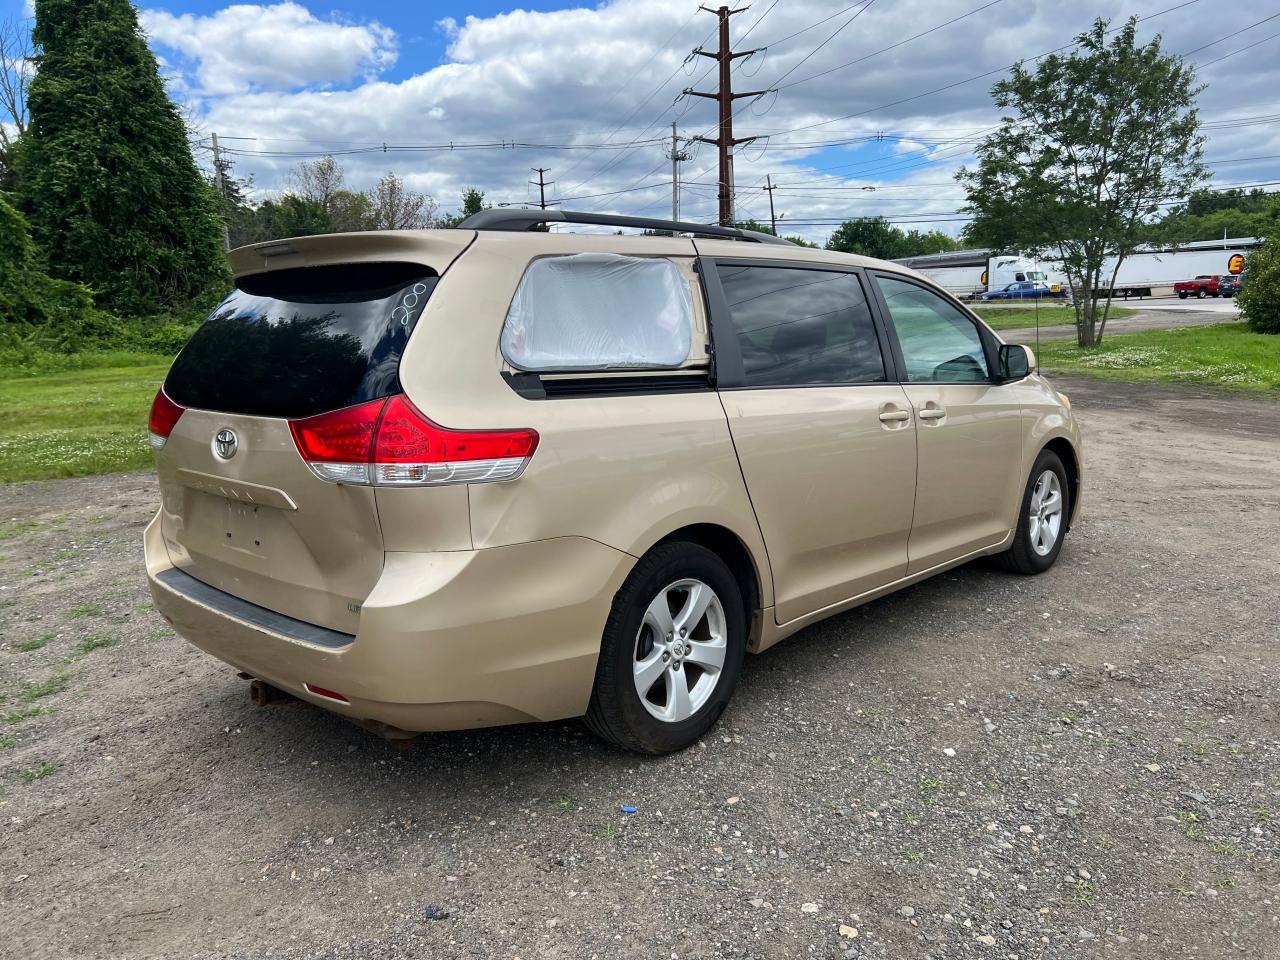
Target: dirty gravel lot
[[1078, 765]]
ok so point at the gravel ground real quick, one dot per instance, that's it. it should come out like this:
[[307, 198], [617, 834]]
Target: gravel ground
[[1082, 764]]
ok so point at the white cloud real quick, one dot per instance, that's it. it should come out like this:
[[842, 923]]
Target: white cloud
[[279, 47], [571, 77]]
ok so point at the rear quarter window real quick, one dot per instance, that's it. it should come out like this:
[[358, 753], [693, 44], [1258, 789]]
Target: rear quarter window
[[599, 311], [297, 342]]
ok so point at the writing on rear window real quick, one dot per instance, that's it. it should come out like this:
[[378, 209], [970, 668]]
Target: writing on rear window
[[294, 343]]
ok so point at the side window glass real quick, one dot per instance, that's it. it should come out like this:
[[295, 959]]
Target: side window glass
[[799, 326], [599, 311], [939, 343]]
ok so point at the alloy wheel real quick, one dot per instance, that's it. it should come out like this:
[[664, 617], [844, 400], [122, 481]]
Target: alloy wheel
[[1045, 516], [680, 650]]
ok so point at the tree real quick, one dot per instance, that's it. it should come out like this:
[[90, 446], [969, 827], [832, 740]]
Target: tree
[[1210, 214], [113, 195], [34, 307], [16, 67], [290, 216], [396, 207], [1090, 145], [472, 202], [935, 241], [868, 237], [320, 181], [1259, 297]]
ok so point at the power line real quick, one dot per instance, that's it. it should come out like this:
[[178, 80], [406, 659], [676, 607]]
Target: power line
[[654, 93], [1201, 66], [959, 83], [894, 46], [1214, 43], [613, 162]]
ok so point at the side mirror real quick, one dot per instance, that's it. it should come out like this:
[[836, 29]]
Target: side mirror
[[1016, 361]]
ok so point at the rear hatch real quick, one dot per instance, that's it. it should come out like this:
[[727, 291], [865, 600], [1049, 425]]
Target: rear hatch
[[241, 509]]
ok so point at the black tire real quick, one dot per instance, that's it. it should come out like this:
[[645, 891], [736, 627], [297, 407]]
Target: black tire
[[1182, 294], [616, 712], [1021, 557], [1201, 293]]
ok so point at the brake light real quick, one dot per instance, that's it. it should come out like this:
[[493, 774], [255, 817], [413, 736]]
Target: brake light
[[391, 443], [164, 417], [338, 446]]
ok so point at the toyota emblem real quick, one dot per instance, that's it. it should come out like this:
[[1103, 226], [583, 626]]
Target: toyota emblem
[[224, 443]]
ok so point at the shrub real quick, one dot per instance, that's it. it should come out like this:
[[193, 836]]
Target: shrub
[[1259, 298]]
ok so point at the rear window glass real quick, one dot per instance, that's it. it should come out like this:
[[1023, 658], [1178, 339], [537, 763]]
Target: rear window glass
[[293, 343], [599, 311]]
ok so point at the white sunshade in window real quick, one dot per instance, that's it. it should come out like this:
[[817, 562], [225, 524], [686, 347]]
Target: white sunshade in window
[[596, 311]]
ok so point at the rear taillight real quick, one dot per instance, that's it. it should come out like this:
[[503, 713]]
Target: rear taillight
[[164, 417], [391, 443]]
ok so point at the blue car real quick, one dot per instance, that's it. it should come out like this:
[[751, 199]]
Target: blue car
[[1028, 290]]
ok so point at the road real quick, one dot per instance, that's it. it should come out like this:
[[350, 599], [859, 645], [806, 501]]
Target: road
[[1159, 313], [1078, 765]]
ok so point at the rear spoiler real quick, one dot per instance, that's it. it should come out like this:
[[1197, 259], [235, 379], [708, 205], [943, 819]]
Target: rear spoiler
[[434, 248]]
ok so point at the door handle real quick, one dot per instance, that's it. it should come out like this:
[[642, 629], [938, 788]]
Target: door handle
[[932, 413], [894, 416]]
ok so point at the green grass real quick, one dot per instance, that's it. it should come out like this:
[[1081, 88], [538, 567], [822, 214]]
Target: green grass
[[22, 525], [17, 716], [38, 773], [31, 643], [1223, 355], [45, 688], [95, 643], [1051, 315], [84, 610], [72, 423]]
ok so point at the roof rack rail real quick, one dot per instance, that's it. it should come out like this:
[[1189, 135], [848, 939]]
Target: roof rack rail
[[527, 219]]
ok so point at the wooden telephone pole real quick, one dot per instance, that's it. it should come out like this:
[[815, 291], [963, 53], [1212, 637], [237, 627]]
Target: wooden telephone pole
[[677, 157], [542, 183], [773, 217], [725, 142]]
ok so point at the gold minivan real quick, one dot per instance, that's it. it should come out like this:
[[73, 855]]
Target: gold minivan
[[442, 479]]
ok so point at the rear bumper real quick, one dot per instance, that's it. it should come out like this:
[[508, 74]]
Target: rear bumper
[[446, 641]]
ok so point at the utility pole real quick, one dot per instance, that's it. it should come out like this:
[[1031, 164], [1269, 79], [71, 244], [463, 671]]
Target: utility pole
[[677, 156], [542, 186], [725, 142], [222, 191], [773, 218]]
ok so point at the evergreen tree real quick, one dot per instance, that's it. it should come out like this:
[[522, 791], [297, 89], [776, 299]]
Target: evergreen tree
[[113, 195]]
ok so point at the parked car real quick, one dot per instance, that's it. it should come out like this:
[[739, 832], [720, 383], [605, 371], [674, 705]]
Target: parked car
[[455, 478], [1229, 285], [1202, 286], [1028, 290]]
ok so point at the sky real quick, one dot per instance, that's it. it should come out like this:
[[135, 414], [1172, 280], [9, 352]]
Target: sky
[[877, 104]]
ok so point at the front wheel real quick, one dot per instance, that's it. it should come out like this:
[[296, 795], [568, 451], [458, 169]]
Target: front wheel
[[1201, 294], [1042, 521], [671, 653]]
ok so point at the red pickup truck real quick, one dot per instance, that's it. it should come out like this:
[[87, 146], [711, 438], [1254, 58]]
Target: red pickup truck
[[1202, 286]]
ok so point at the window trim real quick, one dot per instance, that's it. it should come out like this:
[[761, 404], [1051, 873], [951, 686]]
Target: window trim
[[990, 344], [727, 367]]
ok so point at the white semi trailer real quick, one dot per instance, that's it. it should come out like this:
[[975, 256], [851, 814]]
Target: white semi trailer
[[1151, 271]]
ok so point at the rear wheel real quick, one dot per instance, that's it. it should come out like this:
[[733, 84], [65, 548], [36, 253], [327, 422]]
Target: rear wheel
[[1042, 521], [1200, 293], [671, 653], [1182, 294]]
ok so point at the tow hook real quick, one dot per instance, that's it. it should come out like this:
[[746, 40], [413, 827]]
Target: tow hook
[[263, 694]]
